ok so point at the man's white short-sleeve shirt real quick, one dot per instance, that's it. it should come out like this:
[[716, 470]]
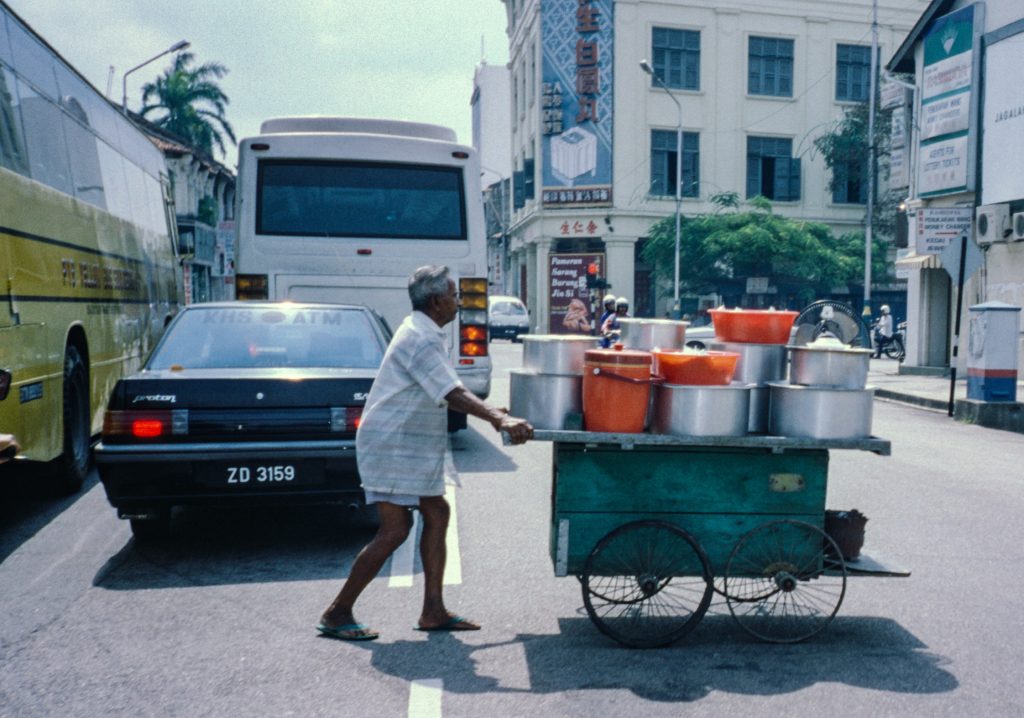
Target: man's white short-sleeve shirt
[[401, 441]]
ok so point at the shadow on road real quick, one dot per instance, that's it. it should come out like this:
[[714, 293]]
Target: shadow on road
[[28, 502], [872, 653], [217, 546]]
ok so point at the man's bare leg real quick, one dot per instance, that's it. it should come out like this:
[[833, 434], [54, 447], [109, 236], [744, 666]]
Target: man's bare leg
[[433, 554], [395, 522]]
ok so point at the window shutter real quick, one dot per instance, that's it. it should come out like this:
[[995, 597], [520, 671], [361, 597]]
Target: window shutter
[[528, 178], [518, 189], [794, 179], [753, 176]]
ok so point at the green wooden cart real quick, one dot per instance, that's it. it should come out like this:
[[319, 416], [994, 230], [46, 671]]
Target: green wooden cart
[[653, 525]]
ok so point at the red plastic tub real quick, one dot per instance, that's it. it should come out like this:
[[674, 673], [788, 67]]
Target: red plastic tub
[[707, 368], [753, 326]]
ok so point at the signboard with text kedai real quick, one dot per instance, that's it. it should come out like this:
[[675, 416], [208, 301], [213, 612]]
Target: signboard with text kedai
[[937, 227]]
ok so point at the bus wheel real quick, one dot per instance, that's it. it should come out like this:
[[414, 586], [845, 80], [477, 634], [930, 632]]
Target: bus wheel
[[73, 466]]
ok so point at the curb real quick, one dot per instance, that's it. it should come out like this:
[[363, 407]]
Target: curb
[[1003, 416], [923, 402]]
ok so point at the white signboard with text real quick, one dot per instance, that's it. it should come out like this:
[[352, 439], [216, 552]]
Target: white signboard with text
[[1003, 149], [937, 227]]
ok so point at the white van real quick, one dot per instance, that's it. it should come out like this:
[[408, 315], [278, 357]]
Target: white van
[[507, 318]]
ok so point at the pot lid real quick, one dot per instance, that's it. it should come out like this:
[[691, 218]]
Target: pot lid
[[618, 355], [831, 344]]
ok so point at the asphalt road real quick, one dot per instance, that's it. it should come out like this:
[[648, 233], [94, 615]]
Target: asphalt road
[[220, 621]]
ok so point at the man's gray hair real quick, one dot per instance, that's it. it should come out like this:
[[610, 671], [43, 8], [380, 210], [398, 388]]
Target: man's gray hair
[[426, 282]]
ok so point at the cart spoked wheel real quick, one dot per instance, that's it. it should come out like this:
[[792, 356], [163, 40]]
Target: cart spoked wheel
[[785, 581], [647, 584]]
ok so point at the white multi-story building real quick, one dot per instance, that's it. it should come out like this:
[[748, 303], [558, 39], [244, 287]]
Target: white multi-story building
[[594, 138], [968, 143]]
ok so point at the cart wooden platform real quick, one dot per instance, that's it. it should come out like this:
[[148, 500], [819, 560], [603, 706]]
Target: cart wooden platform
[[653, 525]]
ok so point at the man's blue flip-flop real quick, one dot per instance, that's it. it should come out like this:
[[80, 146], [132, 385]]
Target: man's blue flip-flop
[[348, 632], [454, 623]]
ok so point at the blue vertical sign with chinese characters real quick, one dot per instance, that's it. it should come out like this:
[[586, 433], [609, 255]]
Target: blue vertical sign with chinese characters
[[576, 102]]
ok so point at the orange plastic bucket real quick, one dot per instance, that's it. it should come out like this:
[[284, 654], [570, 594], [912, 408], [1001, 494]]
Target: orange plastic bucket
[[616, 389]]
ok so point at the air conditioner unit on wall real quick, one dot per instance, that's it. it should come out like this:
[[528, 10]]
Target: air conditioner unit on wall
[[1018, 226], [992, 223]]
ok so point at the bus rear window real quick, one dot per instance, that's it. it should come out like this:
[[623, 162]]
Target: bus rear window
[[360, 199]]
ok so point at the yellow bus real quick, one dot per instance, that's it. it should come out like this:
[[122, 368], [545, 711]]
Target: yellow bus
[[89, 275]]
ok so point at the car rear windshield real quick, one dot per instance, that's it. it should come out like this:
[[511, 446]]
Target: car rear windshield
[[505, 307], [359, 199], [283, 337]]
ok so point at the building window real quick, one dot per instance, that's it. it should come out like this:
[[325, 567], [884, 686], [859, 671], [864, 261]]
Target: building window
[[676, 55], [850, 183], [771, 171], [770, 67], [528, 178], [663, 163], [853, 73]]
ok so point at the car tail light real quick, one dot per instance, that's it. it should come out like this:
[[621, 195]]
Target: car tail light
[[472, 318], [151, 424], [346, 418], [251, 286]]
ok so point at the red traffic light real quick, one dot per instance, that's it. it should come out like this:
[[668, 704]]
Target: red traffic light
[[592, 269]]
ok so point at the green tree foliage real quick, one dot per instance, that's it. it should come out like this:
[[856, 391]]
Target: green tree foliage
[[732, 244], [846, 144], [191, 102]]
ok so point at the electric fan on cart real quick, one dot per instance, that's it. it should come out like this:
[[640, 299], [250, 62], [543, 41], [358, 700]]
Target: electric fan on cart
[[827, 317]]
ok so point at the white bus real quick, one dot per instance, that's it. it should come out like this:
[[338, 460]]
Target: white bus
[[342, 209], [89, 275]]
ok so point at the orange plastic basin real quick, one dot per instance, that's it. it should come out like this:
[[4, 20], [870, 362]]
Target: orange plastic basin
[[711, 368], [753, 326]]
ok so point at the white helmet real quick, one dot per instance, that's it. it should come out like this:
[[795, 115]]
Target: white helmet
[[885, 309], [622, 302], [609, 299]]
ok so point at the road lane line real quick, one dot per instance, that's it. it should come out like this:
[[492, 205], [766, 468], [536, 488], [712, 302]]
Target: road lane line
[[425, 698], [403, 560], [453, 565]]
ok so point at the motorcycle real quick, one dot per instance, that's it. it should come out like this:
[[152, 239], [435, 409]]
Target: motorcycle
[[893, 347]]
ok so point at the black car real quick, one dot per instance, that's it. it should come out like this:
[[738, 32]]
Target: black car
[[242, 402]]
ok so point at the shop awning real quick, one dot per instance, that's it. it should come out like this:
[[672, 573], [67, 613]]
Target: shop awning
[[920, 261]]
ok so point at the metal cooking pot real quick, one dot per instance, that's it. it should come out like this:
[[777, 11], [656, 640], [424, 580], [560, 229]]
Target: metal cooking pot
[[758, 363], [760, 399], [545, 400], [648, 334], [820, 412], [701, 410], [556, 353], [829, 364]]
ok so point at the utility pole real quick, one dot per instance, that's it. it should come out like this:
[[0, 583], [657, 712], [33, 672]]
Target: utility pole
[[871, 159]]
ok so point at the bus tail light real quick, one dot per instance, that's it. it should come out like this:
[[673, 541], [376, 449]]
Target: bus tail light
[[472, 317], [144, 424], [251, 286]]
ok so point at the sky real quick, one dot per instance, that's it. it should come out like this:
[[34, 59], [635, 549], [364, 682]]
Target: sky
[[403, 59]]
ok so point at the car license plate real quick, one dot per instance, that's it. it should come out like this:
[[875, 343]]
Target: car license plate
[[252, 474]]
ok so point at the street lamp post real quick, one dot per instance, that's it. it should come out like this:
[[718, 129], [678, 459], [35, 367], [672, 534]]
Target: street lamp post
[[180, 45], [646, 67]]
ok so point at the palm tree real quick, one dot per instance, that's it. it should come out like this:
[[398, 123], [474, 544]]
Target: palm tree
[[192, 102]]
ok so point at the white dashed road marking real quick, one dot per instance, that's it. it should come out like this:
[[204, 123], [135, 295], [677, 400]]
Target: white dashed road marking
[[403, 561], [425, 698]]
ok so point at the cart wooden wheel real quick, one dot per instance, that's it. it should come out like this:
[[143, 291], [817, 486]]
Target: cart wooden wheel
[[647, 583], [785, 581]]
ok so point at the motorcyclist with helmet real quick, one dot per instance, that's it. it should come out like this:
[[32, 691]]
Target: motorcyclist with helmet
[[610, 325], [883, 330]]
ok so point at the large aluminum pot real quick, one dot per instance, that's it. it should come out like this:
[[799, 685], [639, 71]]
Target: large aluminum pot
[[648, 334], [760, 401], [701, 410], [545, 400], [829, 364], [820, 412], [556, 353], [758, 363]]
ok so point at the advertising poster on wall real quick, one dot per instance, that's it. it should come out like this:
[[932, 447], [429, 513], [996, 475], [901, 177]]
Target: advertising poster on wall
[[576, 103], [1001, 165], [570, 298], [947, 104]]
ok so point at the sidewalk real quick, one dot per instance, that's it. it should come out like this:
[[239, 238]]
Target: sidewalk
[[932, 392]]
